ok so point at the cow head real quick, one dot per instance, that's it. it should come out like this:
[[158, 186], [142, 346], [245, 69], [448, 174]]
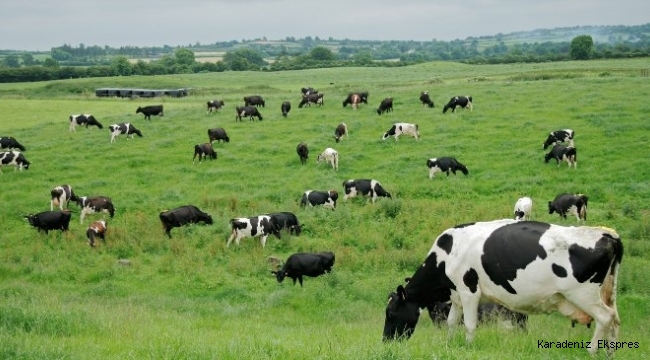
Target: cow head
[[402, 316], [548, 157], [32, 219], [519, 215], [207, 219], [551, 140], [551, 208], [279, 275]]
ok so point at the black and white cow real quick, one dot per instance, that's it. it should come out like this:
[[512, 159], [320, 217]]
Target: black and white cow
[[285, 108], [527, 266], [13, 158], [287, 220], [305, 264], [250, 111], [147, 111], [214, 105], [254, 100], [402, 129], [464, 102], [445, 165], [309, 99], [94, 205], [316, 198], [364, 187], [83, 119], [563, 153], [61, 196], [204, 151], [10, 143], [523, 208], [559, 136], [96, 230], [341, 129], [569, 203], [184, 215], [123, 128], [218, 134], [50, 220], [331, 156], [257, 226], [303, 152], [425, 99], [308, 90], [386, 105]]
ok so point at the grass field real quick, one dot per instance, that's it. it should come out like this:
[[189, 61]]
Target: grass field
[[191, 297]]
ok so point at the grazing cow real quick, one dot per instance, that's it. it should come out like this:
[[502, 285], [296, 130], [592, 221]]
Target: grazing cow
[[439, 313], [249, 111], [559, 136], [364, 187], [305, 264], [340, 130], [254, 100], [287, 220], [308, 90], [527, 266], [464, 102], [563, 153], [303, 152], [61, 196], [445, 164], [10, 143], [569, 203], [331, 156], [385, 106], [402, 129], [425, 99], [218, 134], [285, 108], [123, 128], [13, 158], [352, 99], [188, 214], [147, 111], [312, 98], [96, 230], [94, 205], [83, 119], [214, 105], [204, 150], [50, 220], [523, 208], [257, 226], [315, 198]]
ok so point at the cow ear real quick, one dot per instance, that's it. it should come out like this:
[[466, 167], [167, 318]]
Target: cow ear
[[407, 280], [274, 272], [401, 292]]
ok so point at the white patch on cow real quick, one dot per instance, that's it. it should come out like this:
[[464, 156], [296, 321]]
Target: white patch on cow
[[331, 156], [434, 169], [571, 160]]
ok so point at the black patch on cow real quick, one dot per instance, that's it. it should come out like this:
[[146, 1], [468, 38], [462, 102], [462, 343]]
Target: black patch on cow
[[445, 242], [430, 284], [559, 271], [593, 264], [463, 225], [510, 248], [471, 280], [255, 224]]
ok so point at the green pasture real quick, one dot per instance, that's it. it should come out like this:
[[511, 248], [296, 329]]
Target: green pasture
[[191, 297]]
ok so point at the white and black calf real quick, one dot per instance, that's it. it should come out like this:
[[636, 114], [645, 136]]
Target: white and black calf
[[569, 203], [285, 108], [184, 215], [425, 99], [341, 129], [317, 198], [287, 220], [214, 105], [204, 151], [559, 136], [83, 119], [218, 134], [562, 153], [402, 129], [305, 264], [364, 187], [50, 220], [61, 196], [10, 143], [386, 105], [303, 152], [331, 156], [257, 226], [94, 205], [248, 111], [523, 208], [464, 102], [147, 111], [96, 230], [445, 165], [527, 266], [123, 129], [13, 158]]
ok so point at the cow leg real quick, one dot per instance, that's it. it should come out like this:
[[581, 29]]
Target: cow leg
[[470, 313], [263, 241], [300, 280], [453, 318], [232, 236]]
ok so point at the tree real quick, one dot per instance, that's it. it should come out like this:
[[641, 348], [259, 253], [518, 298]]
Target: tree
[[12, 61], [28, 59], [51, 63], [582, 47], [184, 57], [121, 66], [321, 53]]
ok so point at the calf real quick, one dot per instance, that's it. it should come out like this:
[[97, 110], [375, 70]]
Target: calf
[[61, 196], [464, 102], [364, 187], [305, 264], [250, 111], [523, 208], [218, 134], [214, 105], [402, 129], [559, 136], [425, 99], [188, 214], [147, 111], [308, 90], [303, 152], [315, 198], [123, 128], [254, 100], [287, 220], [50, 220], [96, 230], [340, 130], [257, 226], [563, 153], [331, 156], [445, 164], [312, 98], [285, 108], [386, 105], [83, 119], [10, 143], [204, 150], [439, 313], [352, 99], [13, 158], [565, 203], [94, 205]]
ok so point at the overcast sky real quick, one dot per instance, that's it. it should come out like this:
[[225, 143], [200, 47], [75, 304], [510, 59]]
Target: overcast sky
[[43, 24]]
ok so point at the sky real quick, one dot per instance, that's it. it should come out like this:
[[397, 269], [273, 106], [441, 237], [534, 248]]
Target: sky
[[39, 25]]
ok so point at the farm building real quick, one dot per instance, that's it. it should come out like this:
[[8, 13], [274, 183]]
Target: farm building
[[144, 93]]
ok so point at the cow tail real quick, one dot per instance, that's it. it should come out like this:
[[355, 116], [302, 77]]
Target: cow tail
[[610, 285]]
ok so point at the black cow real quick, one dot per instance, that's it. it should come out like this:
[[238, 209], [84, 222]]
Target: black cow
[[445, 164], [385, 106], [425, 99], [250, 111], [559, 136], [13, 158], [303, 152], [315, 198], [83, 119], [254, 100], [50, 220], [285, 108], [188, 214], [204, 150], [563, 153], [364, 187], [61, 196], [123, 128], [96, 204], [147, 111], [10, 143], [308, 90], [312, 98], [355, 99], [439, 312], [463, 101], [214, 105], [287, 220], [340, 130], [96, 230], [569, 203], [218, 134], [305, 264]]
